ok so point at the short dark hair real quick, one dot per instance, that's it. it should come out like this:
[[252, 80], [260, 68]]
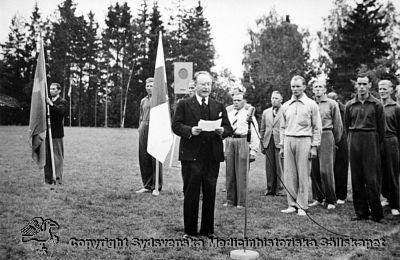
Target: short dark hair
[[364, 75], [57, 85]]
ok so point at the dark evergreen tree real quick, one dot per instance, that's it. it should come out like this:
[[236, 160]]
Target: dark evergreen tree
[[197, 45], [115, 39], [61, 49], [361, 41]]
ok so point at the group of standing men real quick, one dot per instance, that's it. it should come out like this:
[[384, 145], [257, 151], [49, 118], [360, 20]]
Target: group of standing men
[[307, 143], [314, 132]]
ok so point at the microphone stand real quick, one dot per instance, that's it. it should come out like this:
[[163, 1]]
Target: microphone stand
[[246, 254]]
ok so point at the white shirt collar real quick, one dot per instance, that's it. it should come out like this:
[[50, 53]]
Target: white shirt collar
[[55, 98], [200, 98]]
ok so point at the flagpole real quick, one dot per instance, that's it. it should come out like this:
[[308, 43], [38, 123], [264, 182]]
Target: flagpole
[[48, 119], [172, 152], [156, 192], [70, 102]]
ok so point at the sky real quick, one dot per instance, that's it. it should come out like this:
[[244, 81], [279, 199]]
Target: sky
[[229, 19]]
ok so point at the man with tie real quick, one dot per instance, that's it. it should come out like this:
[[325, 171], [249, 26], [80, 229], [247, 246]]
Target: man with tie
[[238, 151], [200, 153], [58, 107], [300, 136], [269, 131]]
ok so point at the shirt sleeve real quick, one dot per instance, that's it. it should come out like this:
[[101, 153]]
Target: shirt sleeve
[[380, 121], [337, 123], [316, 125], [254, 142], [262, 127], [282, 128]]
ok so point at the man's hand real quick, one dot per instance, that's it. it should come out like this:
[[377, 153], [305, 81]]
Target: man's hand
[[281, 153], [219, 130], [196, 130], [252, 158], [48, 101], [313, 152]]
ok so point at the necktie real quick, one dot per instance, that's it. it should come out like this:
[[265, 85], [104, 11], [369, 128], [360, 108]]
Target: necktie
[[203, 103], [234, 126]]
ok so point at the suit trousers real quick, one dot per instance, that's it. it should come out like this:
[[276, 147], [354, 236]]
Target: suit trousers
[[273, 169], [58, 149], [147, 163], [297, 169], [322, 176], [341, 168], [201, 173], [390, 171], [365, 173], [236, 152]]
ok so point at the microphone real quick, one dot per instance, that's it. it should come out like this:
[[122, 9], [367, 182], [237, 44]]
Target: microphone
[[250, 114]]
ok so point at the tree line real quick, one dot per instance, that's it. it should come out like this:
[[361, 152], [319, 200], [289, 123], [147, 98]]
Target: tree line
[[112, 63], [356, 37], [94, 65]]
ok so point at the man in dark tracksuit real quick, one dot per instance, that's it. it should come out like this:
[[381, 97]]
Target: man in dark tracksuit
[[365, 124], [390, 147], [341, 166], [146, 162]]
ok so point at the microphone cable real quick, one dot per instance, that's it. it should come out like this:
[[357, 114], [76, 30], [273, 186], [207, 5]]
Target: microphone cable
[[283, 184]]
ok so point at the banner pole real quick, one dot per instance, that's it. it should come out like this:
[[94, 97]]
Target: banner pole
[[172, 151], [156, 191], [49, 123]]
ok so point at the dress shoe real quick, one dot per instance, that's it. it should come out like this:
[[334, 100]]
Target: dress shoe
[[315, 203], [340, 201], [269, 193], [239, 207], [228, 205], [289, 210], [381, 220], [186, 236], [209, 236], [301, 212], [331, 206], [395, 212], [357, 217], [143, 190]]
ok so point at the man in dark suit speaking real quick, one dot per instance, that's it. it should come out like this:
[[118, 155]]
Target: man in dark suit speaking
[[200, 153]]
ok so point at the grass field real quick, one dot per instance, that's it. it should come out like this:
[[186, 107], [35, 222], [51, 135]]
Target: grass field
[[97, 201]]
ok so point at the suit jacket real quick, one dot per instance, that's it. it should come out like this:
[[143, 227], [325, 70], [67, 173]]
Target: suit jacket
[[270, 126], [186, 116], [57, 113]]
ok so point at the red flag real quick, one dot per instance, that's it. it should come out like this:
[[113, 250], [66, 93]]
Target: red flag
[[160, 133], [37, 120]]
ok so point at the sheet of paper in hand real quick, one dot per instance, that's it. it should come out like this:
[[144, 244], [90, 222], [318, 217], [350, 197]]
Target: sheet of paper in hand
[[208, 125]]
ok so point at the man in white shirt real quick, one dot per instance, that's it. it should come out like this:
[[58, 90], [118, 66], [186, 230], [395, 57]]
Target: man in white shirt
[[300, 136], [237, 150]]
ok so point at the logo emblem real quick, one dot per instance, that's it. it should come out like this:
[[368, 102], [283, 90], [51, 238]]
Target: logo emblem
[[41, 230]]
